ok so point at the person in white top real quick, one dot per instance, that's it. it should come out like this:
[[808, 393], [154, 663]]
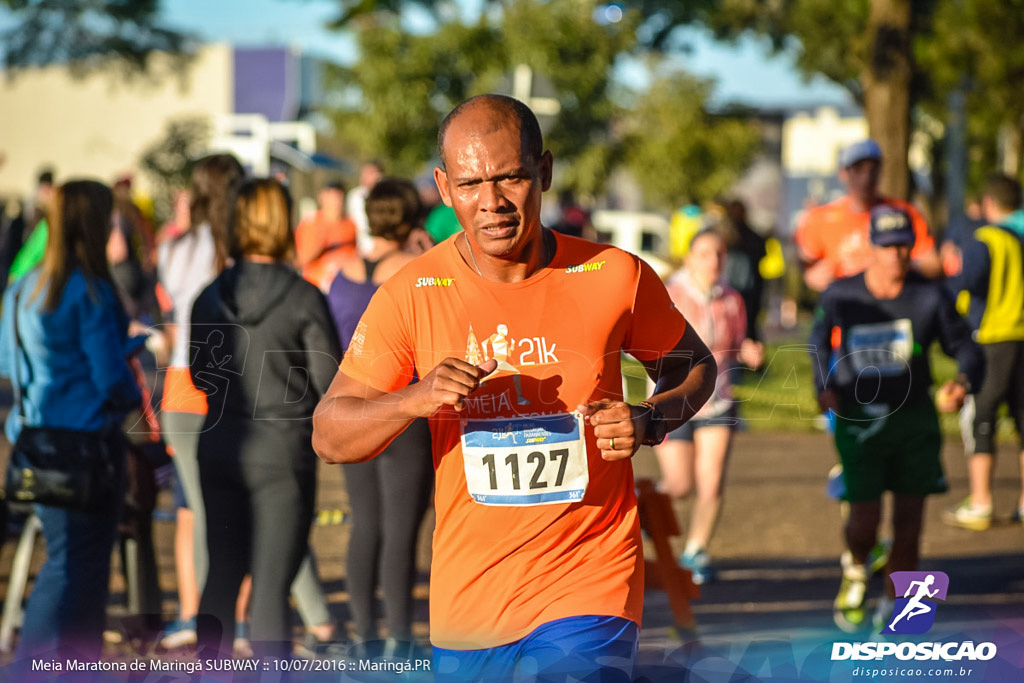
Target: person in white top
[[355, 204], [186, 262]]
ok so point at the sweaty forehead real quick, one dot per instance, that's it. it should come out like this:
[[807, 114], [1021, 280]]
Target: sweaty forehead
[[482, 127], [484, 115]]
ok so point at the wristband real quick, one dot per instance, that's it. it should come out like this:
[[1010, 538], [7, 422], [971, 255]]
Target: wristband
[[656, 428]]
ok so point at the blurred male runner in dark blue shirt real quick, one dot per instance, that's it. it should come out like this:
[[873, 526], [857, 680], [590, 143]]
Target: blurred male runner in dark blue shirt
[[869, 349]]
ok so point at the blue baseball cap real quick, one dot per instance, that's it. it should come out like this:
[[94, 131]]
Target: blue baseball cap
[[859, 151], [891, 226]]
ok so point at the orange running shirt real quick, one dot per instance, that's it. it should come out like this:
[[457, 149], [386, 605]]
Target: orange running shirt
[[499, 572], [838, 233], [332, 242]]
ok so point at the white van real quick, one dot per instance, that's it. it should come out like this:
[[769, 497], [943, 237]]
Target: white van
[[640, 233]]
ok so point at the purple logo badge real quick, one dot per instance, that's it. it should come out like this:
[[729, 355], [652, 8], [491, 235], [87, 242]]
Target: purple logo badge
[[914, 611]]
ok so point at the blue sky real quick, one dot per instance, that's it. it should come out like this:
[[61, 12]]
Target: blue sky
[[744, 72]]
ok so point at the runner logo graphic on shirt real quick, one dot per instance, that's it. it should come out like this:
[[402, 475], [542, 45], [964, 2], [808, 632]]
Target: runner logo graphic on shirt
[[511, 354]]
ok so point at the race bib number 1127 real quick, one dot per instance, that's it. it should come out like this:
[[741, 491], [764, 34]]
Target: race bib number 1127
[[525, 460]]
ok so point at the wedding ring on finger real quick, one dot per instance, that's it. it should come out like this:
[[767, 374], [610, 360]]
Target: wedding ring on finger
[[612, 444]]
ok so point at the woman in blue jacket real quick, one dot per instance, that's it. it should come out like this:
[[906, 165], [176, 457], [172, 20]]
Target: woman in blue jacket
[[73, 375]]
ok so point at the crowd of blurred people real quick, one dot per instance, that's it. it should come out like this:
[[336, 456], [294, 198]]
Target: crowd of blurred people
[[228, 282], [228, 279], [887, 293]]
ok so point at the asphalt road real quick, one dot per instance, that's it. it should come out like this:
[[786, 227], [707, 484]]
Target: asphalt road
[[768, 616]]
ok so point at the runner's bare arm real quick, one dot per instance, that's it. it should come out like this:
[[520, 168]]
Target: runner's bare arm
[[684, 380], [354, 422], [819, 274], [928, 264]]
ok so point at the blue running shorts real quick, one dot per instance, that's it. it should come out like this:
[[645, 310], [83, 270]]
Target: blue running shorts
[[588, 648]]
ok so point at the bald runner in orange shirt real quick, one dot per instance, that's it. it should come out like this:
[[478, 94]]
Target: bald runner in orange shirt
[[515, 334], [833, 238]]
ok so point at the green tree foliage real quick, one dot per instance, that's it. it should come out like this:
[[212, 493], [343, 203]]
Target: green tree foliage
[[562, 41], [78, 32], [352, 10], [168, 162], [915, 51], [403, 84], [391, 101], [675, 148], [938, 45], [863, 45], [398, 90], [826, 37], [976, 44]]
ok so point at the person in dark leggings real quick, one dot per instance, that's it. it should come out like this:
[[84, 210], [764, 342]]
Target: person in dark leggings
[[264, 349], [389, 494], [991, 278]]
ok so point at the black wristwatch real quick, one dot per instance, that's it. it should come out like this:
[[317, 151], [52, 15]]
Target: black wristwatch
[[657, 426]]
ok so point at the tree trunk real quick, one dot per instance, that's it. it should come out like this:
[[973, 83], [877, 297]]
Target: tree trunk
[[1009, 148], [886, 81]]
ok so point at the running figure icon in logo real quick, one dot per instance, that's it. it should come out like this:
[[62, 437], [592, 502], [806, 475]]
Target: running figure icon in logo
[[500, 347], [916, 609]]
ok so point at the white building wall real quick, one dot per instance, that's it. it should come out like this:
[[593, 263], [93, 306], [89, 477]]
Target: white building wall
[[811, 142], [99, 125]]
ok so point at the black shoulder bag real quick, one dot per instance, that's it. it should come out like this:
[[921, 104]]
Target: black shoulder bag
[[59, 467]]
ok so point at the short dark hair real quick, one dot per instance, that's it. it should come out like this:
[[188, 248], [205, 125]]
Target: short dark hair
[[45, 177], [531, 140], [393, 209], [1004, 191], [708, 231]]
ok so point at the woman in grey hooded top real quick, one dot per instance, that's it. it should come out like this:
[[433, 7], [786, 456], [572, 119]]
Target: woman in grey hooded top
[[264, 350]]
